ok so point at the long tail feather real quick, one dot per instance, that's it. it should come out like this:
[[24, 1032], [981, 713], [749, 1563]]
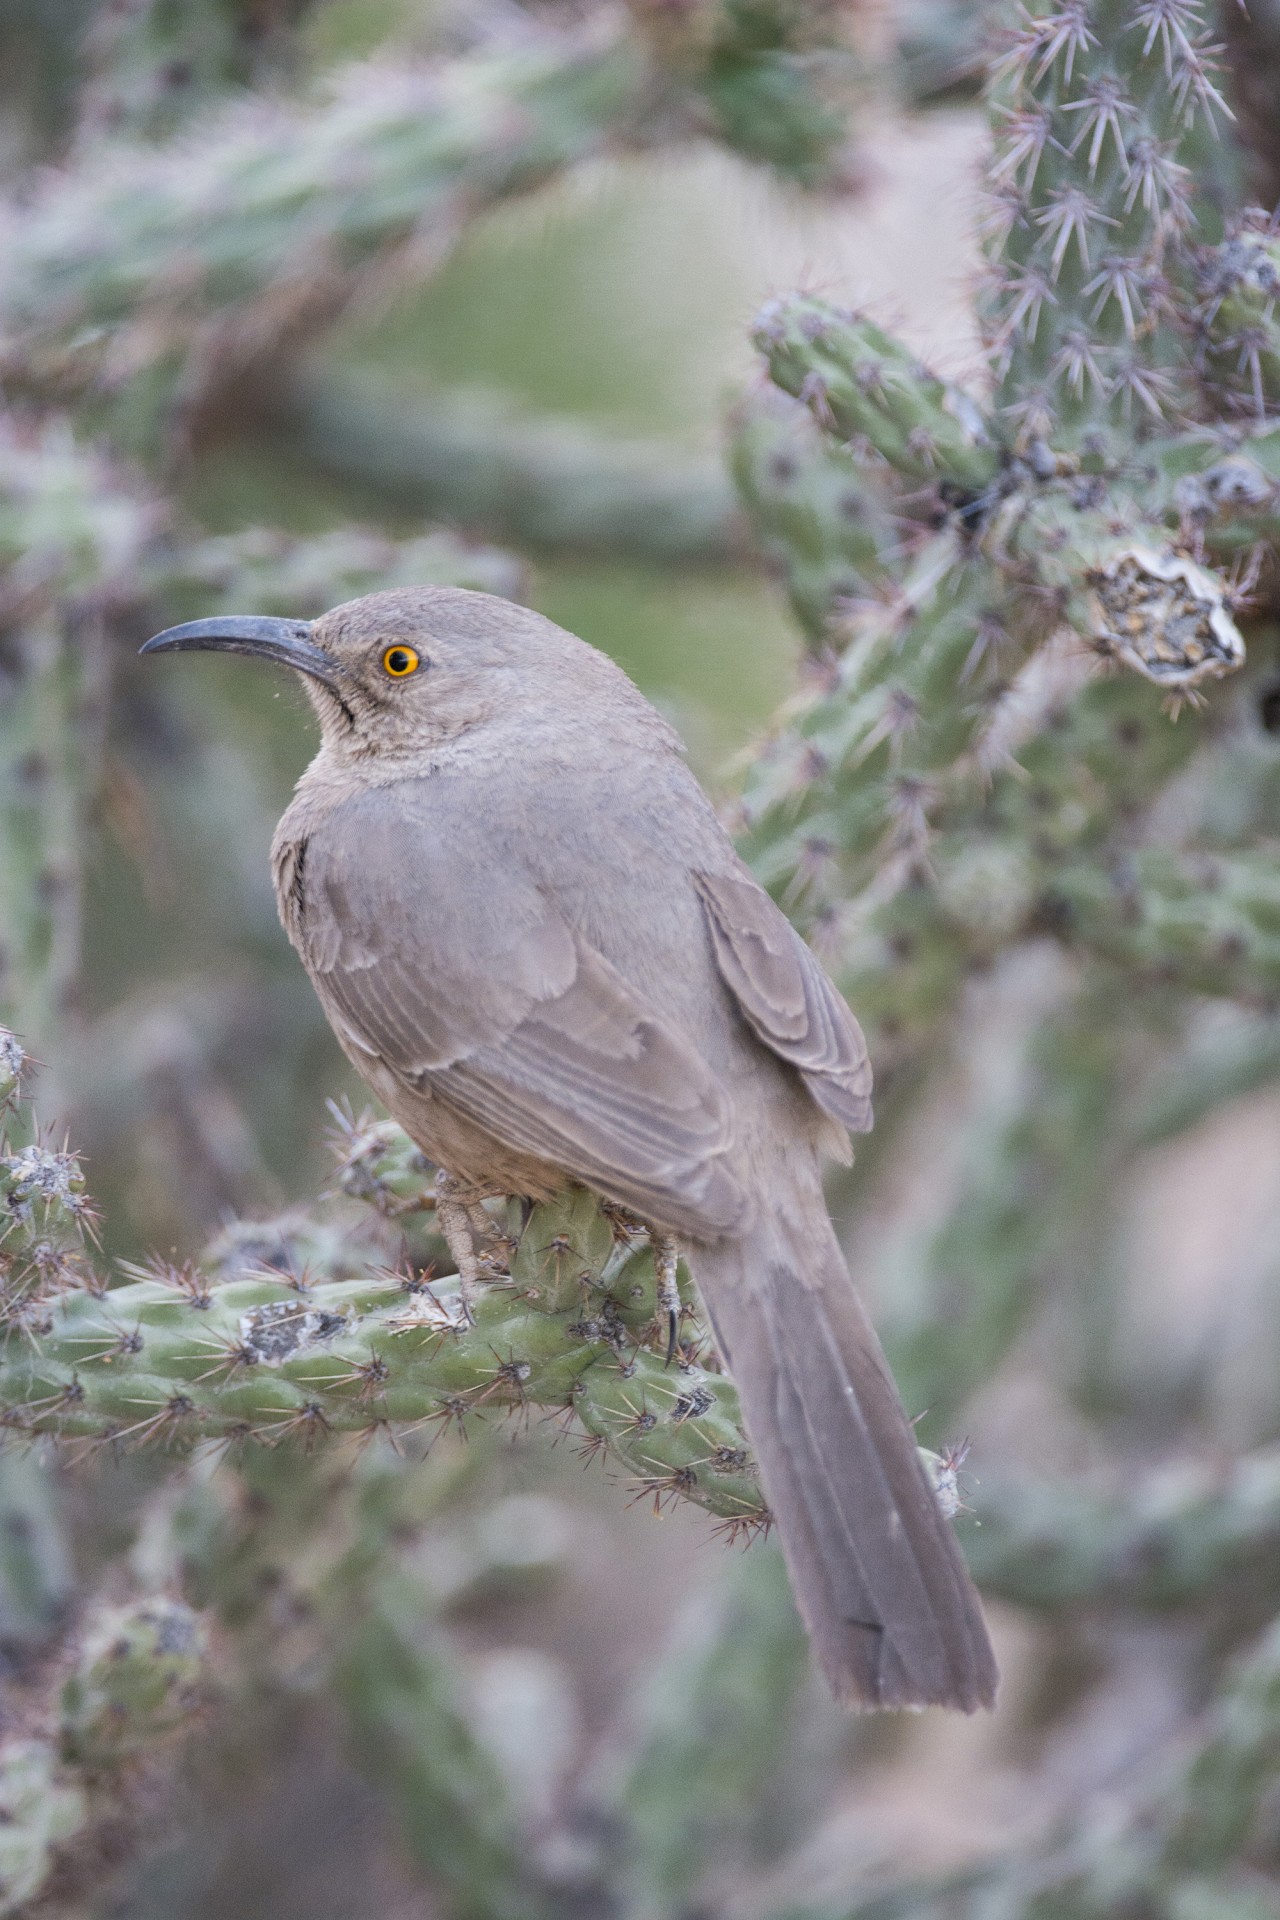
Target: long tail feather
[[877, 1573]]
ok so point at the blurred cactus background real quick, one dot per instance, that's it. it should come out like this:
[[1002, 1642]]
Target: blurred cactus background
[[895, 392]]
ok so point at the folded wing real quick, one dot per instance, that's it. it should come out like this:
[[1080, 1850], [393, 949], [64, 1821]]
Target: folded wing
[[437, 953], [786, 998]]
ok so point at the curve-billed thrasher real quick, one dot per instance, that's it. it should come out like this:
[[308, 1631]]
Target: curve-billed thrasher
[[534, 940]]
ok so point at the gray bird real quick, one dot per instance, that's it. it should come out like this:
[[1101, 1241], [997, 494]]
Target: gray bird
[[535, 942]]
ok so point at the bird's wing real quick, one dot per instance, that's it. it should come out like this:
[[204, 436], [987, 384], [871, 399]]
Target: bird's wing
[[786, 998], [435, 951]]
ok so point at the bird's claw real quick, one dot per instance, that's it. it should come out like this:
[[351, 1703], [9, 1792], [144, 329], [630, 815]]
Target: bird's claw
[[666, 1260]]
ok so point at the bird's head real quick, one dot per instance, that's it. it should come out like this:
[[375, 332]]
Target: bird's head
[[402, 672]]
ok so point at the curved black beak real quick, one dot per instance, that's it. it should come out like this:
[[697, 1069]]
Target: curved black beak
[[287, 642]]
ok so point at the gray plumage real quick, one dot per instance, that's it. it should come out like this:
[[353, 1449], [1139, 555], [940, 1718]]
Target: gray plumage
[[534, 940]]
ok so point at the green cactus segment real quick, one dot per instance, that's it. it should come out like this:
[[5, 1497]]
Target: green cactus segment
[[69, 537], [336, 1551], [862, 385], [823, 516], [850, 788], [1219, 489], [45, 1212], [1223, 1796], [1020, 1195], [283, 573], [152, 63], [44, 758], [1208, 921], [137, 1673], [190, 1357], [1060, 851], [209, 225], [1094, 107], [778, 78], [325, 1342], [544, 482], [1167, 1539], [1238, 324], [137, 1678], [37, 1578], [256, 222], [72, 522], [1053, 847], [86, 532]]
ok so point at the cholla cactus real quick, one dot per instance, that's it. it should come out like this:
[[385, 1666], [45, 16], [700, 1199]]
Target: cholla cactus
[[45, 1213], [151, 63], [206, 257], [989, 552], [292, 1333], [1101, 116], [300, 1329], [133, 1675], [1009, 595], [1238, 334]]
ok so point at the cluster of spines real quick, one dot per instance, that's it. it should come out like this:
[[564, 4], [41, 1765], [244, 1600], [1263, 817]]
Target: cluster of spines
[[1236, 322], [183, 1356], [1095, 111], [47, 1219]]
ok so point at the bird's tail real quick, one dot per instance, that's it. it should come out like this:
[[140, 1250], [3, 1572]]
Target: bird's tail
[[878, 1577]]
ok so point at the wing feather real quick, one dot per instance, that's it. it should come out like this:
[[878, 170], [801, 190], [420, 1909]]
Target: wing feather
[[786, 998]]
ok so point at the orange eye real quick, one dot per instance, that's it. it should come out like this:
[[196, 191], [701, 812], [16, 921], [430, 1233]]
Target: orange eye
[[399, 662]]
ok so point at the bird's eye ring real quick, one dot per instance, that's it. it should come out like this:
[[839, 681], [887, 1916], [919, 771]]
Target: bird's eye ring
[[400, 662]]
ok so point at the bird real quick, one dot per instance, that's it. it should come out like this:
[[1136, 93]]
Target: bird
[[535, 941]]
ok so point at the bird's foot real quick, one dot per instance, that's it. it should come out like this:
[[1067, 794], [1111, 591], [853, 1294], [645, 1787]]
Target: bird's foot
[[666, 1261], [476, 1242]]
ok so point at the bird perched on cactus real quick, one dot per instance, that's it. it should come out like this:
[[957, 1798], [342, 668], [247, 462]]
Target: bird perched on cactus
[[534, 940]]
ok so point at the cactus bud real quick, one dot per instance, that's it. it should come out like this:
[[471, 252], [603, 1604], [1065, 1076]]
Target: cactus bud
[[137, 1678]]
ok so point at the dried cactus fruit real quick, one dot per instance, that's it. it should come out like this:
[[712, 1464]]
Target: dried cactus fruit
[[1164, 616]]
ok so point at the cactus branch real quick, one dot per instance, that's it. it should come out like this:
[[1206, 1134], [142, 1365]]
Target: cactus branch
[[128, 1682]]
